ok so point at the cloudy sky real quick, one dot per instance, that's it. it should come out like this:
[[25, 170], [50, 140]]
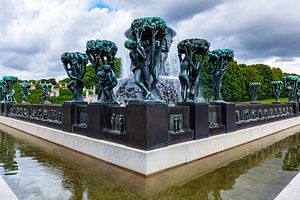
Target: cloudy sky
[[34, 33]]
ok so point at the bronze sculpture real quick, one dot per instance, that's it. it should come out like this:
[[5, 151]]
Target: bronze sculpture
[[277, 86], [191, 53], [101, 54], [46, 87], [9, 93], [75, 66], [219, 60], [147, 42], [25, 86], [254, 89], [291, 83]]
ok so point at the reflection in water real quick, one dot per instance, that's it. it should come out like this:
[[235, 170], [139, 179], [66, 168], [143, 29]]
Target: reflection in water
[[41, 170], [7, 154], [291, 160]]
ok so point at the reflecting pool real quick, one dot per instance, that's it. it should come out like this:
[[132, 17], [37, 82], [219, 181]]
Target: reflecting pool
[[36, 169]]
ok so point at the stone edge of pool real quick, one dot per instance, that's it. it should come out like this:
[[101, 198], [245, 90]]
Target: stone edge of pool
[[149, 162], [291, 191], [5, 191]]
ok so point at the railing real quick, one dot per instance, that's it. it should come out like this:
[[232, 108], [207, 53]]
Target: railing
[[48, 115], [150, 125], [247, 115]]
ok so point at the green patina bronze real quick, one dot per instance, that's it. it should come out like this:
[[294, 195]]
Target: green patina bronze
[[25, 86], [254, 90], [2, 91], [277, 86], [148, 40], [101, 54], [191, 53], [75, 66], [46, 88], [219, 60], [292, 86], [8, 92]]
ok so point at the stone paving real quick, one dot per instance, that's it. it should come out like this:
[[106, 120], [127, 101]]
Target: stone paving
[[5, 192], [291, 191]]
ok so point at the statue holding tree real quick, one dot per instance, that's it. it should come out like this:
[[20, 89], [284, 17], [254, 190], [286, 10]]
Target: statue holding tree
[[277, 86], [291, 83], [219, 60], [25, 86], [46, 88], [191, 53], [101, 54], [75, 66], [254, 90], [147, 42], [2, 91], [9, 93]]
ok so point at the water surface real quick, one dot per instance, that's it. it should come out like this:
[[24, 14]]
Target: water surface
[[36, 169]]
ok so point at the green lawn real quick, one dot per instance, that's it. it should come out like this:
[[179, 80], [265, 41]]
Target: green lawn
[[267, 101]]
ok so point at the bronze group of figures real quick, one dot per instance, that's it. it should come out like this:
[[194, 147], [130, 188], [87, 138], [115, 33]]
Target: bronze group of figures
[[7, 93], [290, 83], [148, 39], [101, 54]]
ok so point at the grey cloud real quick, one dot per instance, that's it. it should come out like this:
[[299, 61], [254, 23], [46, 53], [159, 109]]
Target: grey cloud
[[254, 29], [17, 62], [172, 10]]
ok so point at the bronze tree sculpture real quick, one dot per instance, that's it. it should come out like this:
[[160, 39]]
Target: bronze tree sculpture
[[292, 84], [147, 42], [2, 91], [75, 66], [277, 86], [191, 53], [46, 87], [25, 86], [9, 93], [219, 60], [101, 54], [254, 89]]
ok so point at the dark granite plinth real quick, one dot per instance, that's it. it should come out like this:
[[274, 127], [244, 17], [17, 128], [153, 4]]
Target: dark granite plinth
[[185, 133], [295, 108], [1, 109], [147, 124], [69, 113], [95, 124], [228, 115], [198, 118]]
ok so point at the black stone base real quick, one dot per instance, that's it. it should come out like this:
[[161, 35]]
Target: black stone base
[[147, 124], [69, 114], [186, 134], [228, 115], [198, 118]]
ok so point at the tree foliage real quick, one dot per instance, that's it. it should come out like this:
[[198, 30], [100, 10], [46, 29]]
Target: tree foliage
[[236, 81]]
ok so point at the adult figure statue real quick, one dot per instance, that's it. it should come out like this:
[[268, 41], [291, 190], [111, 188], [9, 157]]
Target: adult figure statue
[[139, 67], [2, 91], [9, 93], [254, 89], [25, 86], [46, 88], [291, 83], [219, 60], [277, 86], [101, 54], [147, 42], [191, 53], [75, 66]]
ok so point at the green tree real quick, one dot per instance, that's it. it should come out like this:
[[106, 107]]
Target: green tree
[[233, 83]]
